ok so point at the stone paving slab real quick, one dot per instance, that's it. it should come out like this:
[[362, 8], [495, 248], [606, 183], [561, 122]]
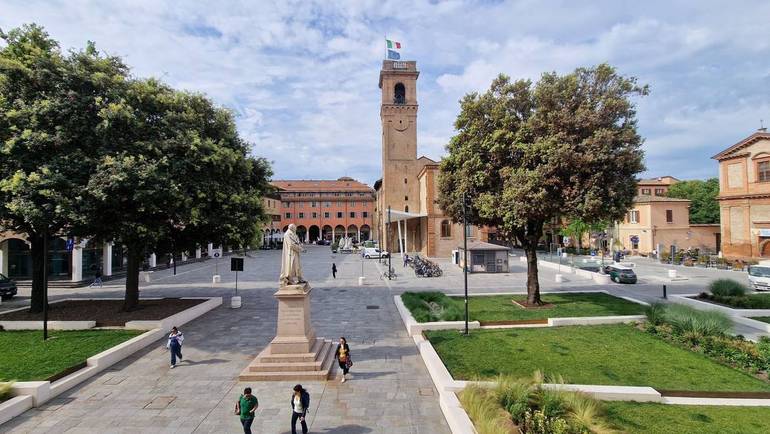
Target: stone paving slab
[[385, 391]]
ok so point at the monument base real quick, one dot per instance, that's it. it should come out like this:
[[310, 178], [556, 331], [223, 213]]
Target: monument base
[[295, 353]]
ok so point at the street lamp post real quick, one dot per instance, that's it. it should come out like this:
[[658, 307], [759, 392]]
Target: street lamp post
[[465, 261], [45, 285]]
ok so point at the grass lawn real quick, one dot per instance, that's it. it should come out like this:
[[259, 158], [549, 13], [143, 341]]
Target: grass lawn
[[500, 308], [25, 357], [651, 418], [616, 354]]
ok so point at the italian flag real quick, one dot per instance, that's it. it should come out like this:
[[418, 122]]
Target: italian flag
[[393, 45]]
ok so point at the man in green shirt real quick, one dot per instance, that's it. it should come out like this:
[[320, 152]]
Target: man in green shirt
[[245, 407]]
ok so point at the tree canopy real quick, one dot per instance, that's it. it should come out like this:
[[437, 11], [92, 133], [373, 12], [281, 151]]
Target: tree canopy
[[525, 153], [704, 207], [90, 151]]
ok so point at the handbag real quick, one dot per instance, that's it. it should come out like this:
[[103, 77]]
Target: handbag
[[348, 362]]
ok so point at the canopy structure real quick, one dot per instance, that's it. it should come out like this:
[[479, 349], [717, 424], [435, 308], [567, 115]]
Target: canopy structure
[[401, 216]]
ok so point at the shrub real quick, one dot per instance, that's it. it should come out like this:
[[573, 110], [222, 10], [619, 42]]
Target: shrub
[[5, 390], [727, 288], [432, 306], [706, 323], [655, 312], [484, 411]]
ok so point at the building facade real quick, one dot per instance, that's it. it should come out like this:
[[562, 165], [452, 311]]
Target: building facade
[[326, 209], [656, 222], [407, 217], [744, 197], [271, 228]]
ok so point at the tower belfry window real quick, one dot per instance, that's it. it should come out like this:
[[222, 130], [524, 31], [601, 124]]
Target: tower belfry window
[[399, 94]]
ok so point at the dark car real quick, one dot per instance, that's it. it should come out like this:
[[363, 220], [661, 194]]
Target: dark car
[[7, 287], [620, 273]]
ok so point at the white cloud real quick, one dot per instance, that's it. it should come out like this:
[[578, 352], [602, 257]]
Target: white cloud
[[302, 75]]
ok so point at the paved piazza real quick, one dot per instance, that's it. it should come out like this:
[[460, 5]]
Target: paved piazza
[[390, 390]]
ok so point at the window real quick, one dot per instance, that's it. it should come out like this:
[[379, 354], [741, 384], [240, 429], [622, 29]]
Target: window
[[327, 204], [763, 171], [286, 204], [399, 94], [669, 216], [660, 191], [446, 229], [339, 215], [633, 216], [469, 231], [406, 197], [288, 215], [302, 215], [352, 214], [646, 191], [339, 203], [326, 215], [312, 204], [353, 204], [365, 214], [315, 215], [301, 204], [634, 242], [404, 180]]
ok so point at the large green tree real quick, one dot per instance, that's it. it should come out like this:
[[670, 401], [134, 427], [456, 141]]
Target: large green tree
[[525, 153], [49, 106], [172, 172], [704, 207]]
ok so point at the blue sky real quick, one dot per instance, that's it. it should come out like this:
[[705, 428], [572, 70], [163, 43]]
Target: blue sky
[[302, 76]]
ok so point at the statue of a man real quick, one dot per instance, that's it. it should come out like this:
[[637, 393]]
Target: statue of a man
[[291, 269]]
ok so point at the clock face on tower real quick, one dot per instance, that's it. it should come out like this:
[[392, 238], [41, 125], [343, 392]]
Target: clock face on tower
[[401, 125]]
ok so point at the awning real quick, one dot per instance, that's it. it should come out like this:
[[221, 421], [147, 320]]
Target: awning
[[397, 216]]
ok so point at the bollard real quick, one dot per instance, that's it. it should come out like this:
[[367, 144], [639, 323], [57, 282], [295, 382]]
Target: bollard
[[664, 292]]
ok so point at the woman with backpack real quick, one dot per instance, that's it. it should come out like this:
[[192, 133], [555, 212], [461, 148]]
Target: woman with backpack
[[174, 344], [343, 357]]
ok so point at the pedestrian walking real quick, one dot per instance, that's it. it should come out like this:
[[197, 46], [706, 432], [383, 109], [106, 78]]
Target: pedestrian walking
[[300, 401], [97, 278], [245, 407], [174, 344], [334, 270], [406, 260], [343, 357]]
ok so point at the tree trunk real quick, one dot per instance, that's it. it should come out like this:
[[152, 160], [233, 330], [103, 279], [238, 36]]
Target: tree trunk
[[37, 256], [579, 237], [134, 259], [533, 285]]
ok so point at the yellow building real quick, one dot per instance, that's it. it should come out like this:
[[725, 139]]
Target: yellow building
[[408, 187], [744, 197], [656, 222]]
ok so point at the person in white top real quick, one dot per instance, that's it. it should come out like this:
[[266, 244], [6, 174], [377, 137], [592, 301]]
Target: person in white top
[[300, 401], [174, 344]]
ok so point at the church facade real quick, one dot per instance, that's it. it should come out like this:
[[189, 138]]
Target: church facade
[[407, 216]]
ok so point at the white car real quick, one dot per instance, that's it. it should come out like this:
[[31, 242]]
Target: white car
[[759, 276], [373, 252]]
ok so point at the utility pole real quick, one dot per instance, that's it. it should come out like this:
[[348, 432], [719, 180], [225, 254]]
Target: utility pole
[[465, 261], [388, 236], [45, 285]]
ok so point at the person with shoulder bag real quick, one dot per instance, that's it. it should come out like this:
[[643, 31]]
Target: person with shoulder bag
[[174, 344], [245, 407], [343, 357]]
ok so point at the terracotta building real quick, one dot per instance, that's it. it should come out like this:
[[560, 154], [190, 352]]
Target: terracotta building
[[744, 197], [656, 222], [326, 209], [408, 186], [271, 228]]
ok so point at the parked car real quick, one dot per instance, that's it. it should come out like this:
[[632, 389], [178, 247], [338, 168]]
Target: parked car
[[620, 273], [759, 276], [7, 287], [372, 252]]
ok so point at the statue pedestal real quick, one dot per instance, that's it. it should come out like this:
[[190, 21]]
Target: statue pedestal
[[295, 353]]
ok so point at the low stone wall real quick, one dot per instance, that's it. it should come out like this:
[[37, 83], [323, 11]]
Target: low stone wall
[[179, 318], [594, 320], [702, 305], [52, 325], [14, 407]]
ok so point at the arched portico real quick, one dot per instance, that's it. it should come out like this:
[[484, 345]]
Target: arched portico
[[353, 232], [366, 233], [326, 232], [314, 233], [302, 233]]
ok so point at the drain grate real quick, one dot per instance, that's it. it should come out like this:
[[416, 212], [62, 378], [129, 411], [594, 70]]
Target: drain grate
[[372, 307]]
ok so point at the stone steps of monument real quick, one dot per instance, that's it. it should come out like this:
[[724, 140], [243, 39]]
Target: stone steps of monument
[[318, 375], [327, 349], [289, 358]]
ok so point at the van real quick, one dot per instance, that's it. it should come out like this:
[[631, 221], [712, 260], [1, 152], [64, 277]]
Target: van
[[373, 252], [759, 276]]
